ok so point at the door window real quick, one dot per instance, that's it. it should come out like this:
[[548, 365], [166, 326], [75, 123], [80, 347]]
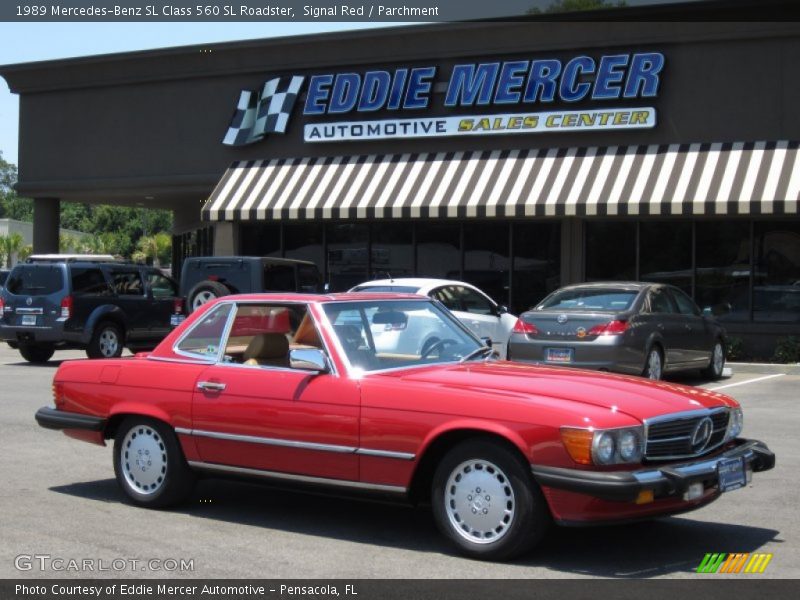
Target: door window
[[660, 302], [127, 283], [475, 303], [447, 296], [204, 339], [89, 280], [685, 304]]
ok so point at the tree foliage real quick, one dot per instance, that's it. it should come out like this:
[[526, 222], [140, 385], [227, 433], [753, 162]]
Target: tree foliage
[[113, 229], [562, 6]]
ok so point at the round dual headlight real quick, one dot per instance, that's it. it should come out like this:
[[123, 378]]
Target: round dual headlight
[[604, 448], [736, 423], [630, 446]]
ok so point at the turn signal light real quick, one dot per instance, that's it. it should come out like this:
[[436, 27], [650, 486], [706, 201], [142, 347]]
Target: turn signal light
[[66, 307], [177, 306], [523, 327], [578, 443], [2, 308], [612, 328]]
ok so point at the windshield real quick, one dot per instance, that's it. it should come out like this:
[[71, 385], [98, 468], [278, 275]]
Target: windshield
[[386, 334], [603, 299]]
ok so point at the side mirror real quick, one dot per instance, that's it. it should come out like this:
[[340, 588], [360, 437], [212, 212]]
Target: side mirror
[[502, 309], [326, 288], [308, 359], [707, 312], [487, 341]]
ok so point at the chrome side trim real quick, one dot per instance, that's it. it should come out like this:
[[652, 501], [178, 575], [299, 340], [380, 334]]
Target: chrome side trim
[[344, 483], [386, 454], [251, 439], [185, 361]]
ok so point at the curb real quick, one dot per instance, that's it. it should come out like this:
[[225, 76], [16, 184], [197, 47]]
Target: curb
[[767, 368]]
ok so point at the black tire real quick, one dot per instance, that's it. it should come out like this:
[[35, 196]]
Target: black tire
[[107, 341], [37, 353], [650, 370], [169, 480], [506, 476], [203, 292], [717, 363]]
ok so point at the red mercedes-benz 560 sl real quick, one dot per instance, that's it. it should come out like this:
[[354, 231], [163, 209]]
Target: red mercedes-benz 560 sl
[[390, 394]]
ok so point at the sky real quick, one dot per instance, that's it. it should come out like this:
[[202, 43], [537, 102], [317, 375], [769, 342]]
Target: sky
[[28, 42]]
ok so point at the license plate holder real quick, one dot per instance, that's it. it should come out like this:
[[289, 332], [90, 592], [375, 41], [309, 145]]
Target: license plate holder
[[559, 355], [29, 320], [732, 474]]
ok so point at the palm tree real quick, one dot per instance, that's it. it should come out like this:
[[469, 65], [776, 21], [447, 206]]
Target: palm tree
[[157, 247], [10, 246]]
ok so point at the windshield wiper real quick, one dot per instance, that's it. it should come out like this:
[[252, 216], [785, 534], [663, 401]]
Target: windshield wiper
[[483, 350]]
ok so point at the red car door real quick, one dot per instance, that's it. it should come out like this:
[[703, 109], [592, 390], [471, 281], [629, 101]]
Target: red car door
[[276, 419]]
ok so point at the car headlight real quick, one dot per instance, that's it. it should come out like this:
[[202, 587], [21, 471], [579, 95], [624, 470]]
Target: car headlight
[[604, 446], [735, 424]]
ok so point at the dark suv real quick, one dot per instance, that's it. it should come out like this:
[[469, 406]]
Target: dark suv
[[60, 303], [209, 277]]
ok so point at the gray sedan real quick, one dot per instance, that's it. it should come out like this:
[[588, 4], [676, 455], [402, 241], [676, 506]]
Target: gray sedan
[[636, 328]]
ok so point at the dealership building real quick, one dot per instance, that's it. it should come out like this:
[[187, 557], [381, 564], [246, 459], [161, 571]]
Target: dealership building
[[516, 156]]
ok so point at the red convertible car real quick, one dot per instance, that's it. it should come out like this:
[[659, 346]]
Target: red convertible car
[[291, 388]]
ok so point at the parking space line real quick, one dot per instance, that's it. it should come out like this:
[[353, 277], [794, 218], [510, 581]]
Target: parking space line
[[730, 385]]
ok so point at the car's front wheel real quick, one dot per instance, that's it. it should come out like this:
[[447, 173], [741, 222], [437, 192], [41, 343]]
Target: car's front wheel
[[486, 502], [149, 464], [717, 362], [36, 353]]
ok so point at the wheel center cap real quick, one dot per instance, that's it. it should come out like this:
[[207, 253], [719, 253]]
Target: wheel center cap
[[143, 460]]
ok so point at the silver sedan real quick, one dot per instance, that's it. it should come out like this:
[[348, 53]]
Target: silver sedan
[[636, 328]]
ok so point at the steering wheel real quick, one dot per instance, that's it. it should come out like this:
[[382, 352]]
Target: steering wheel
[[437, 345]]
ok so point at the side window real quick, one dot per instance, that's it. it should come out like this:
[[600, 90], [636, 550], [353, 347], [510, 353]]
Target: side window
[[127, 283], [448, 297], [89, 280], [473, 302], [279, 278], [161, 286], [204, 339], [262, 335], [660, 302], [685, 304]]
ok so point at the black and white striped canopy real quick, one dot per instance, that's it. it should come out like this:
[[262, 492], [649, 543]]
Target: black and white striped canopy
[[687, 179]]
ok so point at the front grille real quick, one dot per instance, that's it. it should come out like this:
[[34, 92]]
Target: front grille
[[671, 437]]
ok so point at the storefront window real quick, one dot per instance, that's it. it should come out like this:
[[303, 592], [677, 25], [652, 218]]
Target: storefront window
[[610, 251], [392, 250], [537, 263], [776, 292], [303, 241], [487, 264], [439, 250], [260, 240], [348, 245], [665, 253], [723, 269]]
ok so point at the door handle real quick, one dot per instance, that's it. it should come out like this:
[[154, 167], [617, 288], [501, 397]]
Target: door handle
[[210, 386]]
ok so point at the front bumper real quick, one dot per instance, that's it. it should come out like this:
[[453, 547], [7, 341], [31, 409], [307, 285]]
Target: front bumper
[[664, 481], [51, 418]]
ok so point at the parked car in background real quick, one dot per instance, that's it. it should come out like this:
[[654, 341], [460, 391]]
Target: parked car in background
[[53, 302], [264, 386], [482, 315], [205, 278], [637, 328]]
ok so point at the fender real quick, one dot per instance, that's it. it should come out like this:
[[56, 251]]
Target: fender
[[141, 408], [477, 425], [114, 313]]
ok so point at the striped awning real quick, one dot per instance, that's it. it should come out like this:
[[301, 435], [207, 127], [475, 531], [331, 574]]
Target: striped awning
[[693, 179]]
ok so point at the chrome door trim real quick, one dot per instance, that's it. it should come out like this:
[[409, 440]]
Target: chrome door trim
[[385, 454], [344, 483]]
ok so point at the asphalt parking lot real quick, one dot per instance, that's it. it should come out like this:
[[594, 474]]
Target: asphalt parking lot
[[59, 499]]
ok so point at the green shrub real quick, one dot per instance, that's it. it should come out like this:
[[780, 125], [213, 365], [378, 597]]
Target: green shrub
[[735, 348], [787, 350]]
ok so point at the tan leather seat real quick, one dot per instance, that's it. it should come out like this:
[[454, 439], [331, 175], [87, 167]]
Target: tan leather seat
[[267, 349]]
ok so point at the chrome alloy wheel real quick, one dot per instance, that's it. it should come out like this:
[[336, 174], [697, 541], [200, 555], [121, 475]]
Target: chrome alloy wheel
[[144, 459], [479, 501], [201, 298], [718, 359], [108, 343], [654, 365]]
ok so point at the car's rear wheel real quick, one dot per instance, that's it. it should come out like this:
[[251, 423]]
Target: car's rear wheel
[[206, 291], [486, 502], [106, 341], [36, 353], [149, 464], [654, 365], [717, 363]]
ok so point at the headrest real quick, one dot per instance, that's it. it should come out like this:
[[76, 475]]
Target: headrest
[[267, 345]]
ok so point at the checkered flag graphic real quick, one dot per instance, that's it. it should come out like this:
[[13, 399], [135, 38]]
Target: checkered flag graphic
[[268, 112]]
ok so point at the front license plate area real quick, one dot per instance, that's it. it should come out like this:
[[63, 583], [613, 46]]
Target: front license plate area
[[558, 355], [732, 474], [29, 320]]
